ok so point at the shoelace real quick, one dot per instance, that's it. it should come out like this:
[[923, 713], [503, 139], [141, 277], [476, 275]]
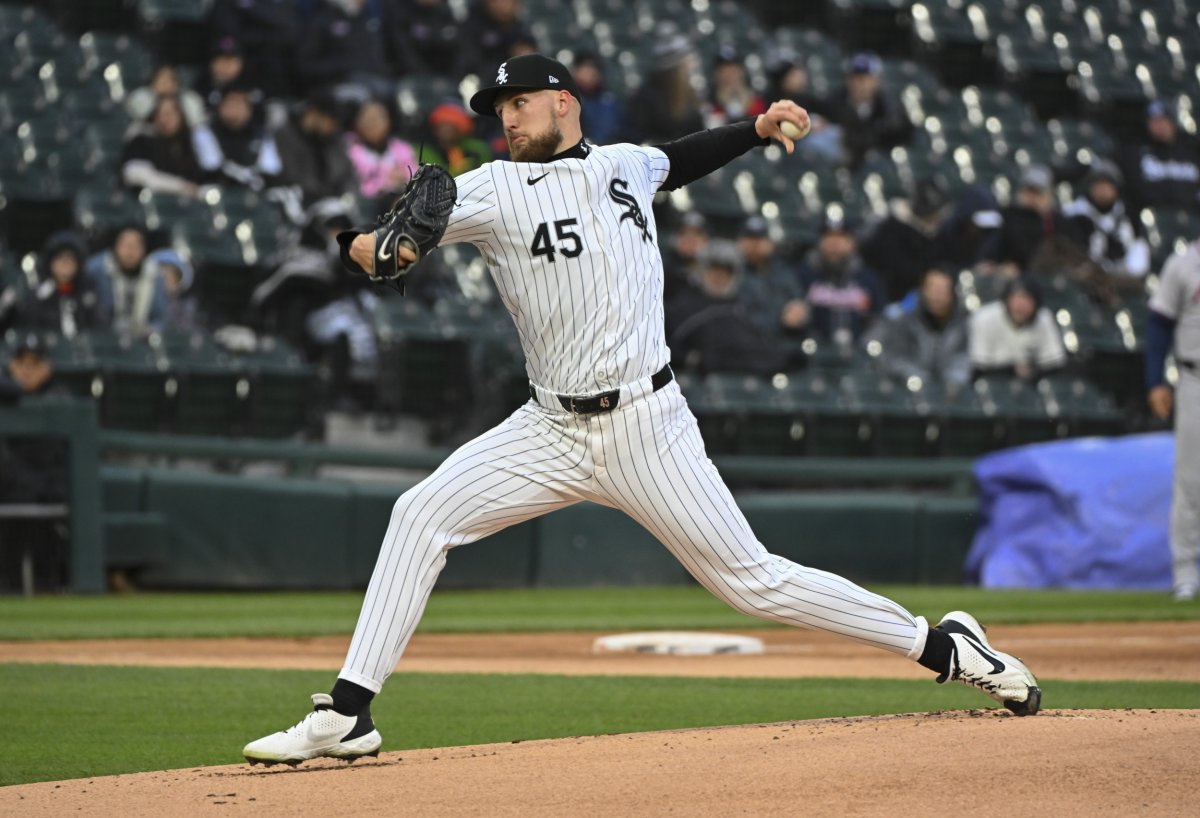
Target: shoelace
[[967, 677]]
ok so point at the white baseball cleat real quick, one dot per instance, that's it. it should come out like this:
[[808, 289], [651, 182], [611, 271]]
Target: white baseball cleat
[[1185, 593], [975, 662], [323, 733]]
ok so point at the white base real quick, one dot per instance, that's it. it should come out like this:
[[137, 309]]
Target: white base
[[678, 643]]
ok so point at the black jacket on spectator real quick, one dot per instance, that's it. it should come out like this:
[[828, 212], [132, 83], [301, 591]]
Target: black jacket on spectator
[[175, 155], [966, 233], [337, 46], [882, 125], [1022, 233], [899, 251], [266, 30], [716, 335], [320, 167], [65, 309], [1162, 174], [423, 38]]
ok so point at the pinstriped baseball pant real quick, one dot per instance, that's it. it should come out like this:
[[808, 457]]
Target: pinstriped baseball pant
[[646, 458]]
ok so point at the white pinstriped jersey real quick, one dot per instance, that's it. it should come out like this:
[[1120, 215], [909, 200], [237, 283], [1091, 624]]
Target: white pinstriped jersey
[[571, 245]]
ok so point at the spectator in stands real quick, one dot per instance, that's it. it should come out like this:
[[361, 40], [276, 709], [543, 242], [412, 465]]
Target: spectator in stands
[[266, 30], [344, 44], [488, 35], [65, 301], [1164, 169], [965, 234], [905, 244], [666, 106], [789, 80], [226, 69], [452, 145], [1098, 222], [314, 303], [424, 36], [771, 289], [1016, 334], [240, 146], [681, 260], [160, 154], [602, 116], [128, 289], [164, 82], [1029, 228], [871, 119], [730, 94], [381, 161], [843, 294], [929, 342], [28, 371], [708, 328], [10, 296], [312, 151], [181, 312]]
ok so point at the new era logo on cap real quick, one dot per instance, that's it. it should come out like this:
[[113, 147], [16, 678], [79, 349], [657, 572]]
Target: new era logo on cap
[[554, 79]]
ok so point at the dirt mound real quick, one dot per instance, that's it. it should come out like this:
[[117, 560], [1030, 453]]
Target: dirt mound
[[1062, 763]]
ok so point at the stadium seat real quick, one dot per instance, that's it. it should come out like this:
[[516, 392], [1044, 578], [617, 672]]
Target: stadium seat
[[125, 55], [101, 208]]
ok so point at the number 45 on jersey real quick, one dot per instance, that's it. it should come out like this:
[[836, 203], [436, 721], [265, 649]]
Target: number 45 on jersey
[[565, 241]]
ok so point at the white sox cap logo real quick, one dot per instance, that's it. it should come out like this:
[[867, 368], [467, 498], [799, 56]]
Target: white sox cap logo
[[502, 74]]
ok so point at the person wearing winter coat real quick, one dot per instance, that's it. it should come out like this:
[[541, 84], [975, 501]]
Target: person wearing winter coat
[[1016, 334], [64, 302], [1098, 222], [128, 289], [929, 342]]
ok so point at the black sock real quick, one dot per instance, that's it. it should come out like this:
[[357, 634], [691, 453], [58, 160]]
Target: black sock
[[350, 699], [938, 647]]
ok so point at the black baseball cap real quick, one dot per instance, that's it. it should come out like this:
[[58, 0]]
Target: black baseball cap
[[528, 72]]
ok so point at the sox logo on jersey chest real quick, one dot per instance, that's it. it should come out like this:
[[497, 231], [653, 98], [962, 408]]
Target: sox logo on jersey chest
[[618, 189]]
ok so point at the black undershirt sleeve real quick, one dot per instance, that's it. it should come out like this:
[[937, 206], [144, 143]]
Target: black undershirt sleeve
[[699, 154]]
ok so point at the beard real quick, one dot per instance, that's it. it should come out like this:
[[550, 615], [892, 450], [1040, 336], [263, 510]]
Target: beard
[[539, 147]]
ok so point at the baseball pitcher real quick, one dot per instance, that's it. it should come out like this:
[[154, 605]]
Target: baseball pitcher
[[568, 233]]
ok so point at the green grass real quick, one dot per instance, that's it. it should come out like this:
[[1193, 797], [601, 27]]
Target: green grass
[[74, 722], [316, 614]]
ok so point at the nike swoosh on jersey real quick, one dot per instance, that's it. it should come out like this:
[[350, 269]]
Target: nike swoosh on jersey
[[532, 181], [384, 254]]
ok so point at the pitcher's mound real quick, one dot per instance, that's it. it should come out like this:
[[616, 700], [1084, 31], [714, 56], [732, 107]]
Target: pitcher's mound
[[1061, 763]]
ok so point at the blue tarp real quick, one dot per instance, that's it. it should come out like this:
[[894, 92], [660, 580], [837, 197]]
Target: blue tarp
[[1086, 513]]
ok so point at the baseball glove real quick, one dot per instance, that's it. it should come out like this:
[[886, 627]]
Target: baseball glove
[[416, 220]]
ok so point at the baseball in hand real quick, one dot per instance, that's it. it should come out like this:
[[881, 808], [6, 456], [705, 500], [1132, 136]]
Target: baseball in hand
[[791, 131]]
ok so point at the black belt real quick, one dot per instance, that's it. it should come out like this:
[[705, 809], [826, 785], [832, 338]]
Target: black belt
[[1190, 366], [605, 401]]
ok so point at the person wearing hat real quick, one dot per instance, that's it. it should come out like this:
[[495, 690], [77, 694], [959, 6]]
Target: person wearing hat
[[730, 95], [237, 144], [452, 145], [870, 118], [1016, 334], [65, 300], [771, 291], [1098, 222], [226, 68], [129, 289], [844, 295], [263, 33], [1029, 226], [902, 246], [681, 257], [344, 43], [487, 36], [1163, 169], [423, 37], [666, 105], [708, 325], [569, 234], [312, 153]]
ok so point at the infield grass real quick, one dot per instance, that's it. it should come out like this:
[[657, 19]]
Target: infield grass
[[320, 614], [66, 721]]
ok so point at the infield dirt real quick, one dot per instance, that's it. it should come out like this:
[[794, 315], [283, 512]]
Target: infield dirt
[[1061, 763]]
